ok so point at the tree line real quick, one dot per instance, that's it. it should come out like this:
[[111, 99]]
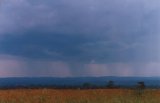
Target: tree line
[[87, 85], [111, 85]]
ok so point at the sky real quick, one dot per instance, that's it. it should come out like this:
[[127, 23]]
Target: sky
[[72, 38]]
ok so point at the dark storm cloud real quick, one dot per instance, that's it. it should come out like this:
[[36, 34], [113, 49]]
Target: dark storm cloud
[[39, 45], [82, 31]]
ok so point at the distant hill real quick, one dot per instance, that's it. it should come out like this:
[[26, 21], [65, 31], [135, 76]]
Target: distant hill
[[77, 81]]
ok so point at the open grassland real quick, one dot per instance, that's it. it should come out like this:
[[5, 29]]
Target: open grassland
[[79, 96]]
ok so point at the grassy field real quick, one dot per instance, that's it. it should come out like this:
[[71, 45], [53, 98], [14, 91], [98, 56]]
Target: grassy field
[[79, 96]]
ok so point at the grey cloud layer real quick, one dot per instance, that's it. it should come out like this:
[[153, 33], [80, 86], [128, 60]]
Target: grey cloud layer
[[81, 31]]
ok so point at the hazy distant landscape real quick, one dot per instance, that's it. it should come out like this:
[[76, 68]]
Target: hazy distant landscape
[[33, 82]]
